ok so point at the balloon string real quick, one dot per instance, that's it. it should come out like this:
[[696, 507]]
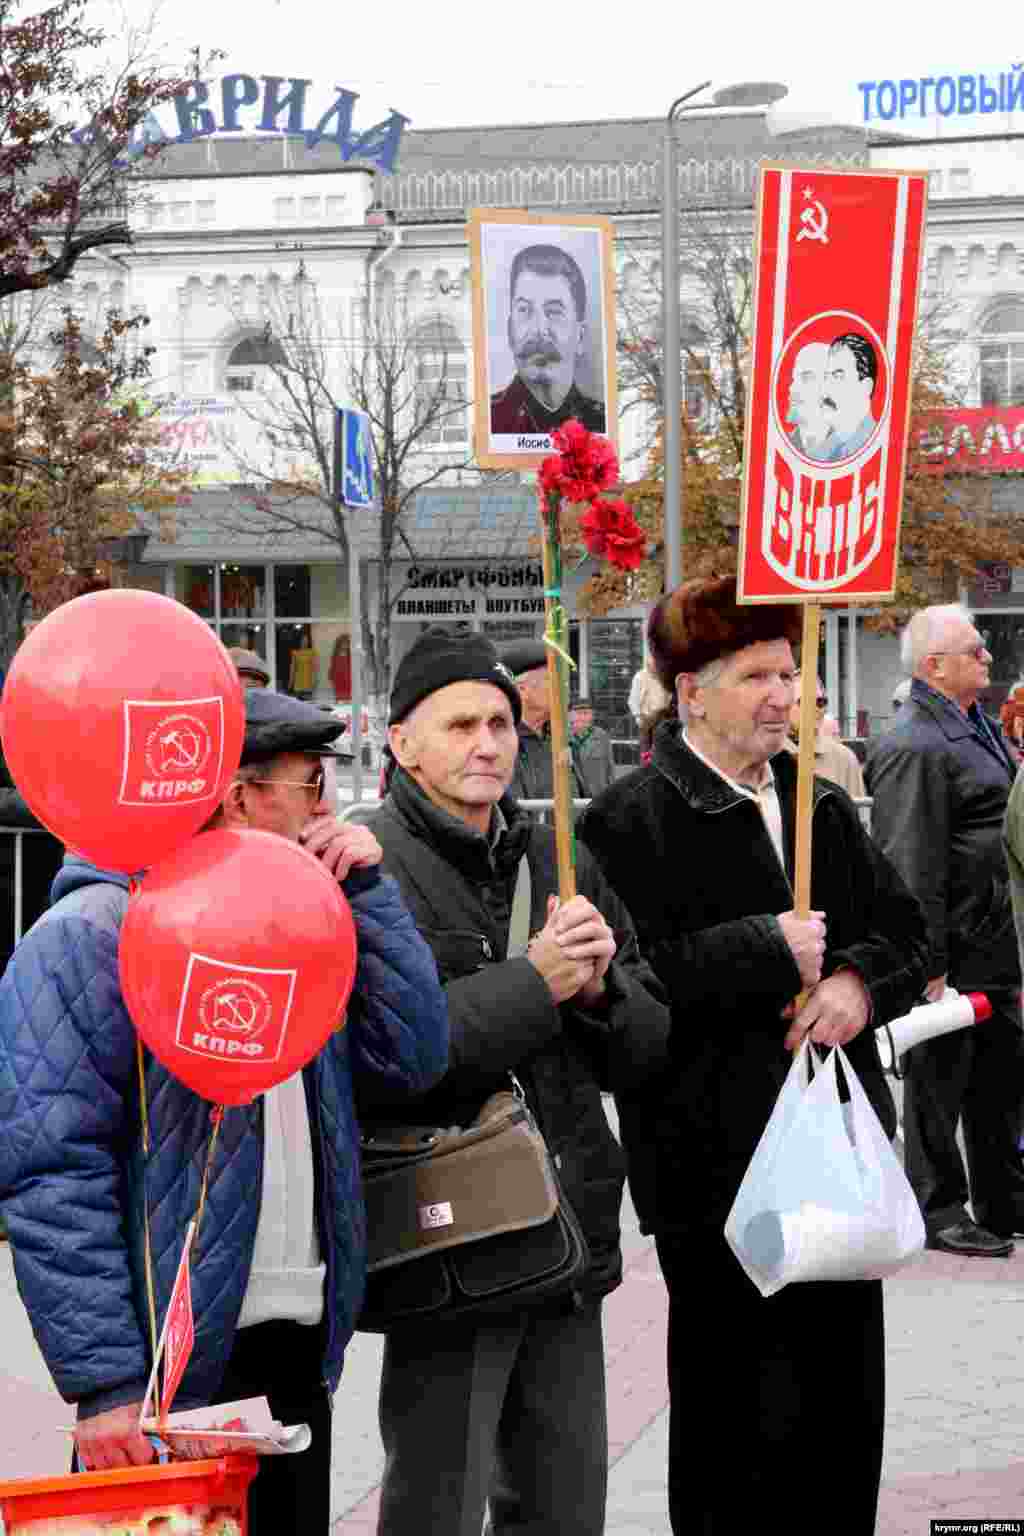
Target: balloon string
[[216, 1116], [147, 1245]]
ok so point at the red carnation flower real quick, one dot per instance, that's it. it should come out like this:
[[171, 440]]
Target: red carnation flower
[[611, 532], [584, 466]]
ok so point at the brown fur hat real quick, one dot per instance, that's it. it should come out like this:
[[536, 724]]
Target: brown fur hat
[[701, 620]]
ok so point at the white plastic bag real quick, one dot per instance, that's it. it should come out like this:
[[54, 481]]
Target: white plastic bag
[[824, 1196]]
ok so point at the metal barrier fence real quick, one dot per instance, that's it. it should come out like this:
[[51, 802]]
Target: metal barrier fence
[[364, 810], [18, 873]]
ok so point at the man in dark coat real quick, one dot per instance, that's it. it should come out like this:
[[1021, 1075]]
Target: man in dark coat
[[546, 327], [510, 1409], [533, 779], [766, 1394], [940, 780]]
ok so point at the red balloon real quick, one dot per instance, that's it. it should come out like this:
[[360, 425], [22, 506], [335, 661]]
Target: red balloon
[[237, 957], [122, 725]]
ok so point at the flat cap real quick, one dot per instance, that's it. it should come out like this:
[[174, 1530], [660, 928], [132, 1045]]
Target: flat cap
[[275, 722], [524, 656]]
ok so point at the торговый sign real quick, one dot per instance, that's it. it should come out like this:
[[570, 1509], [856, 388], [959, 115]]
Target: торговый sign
[[943, 96]]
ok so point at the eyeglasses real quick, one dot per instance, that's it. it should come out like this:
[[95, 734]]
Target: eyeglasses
[[315, 785], [977, 651]]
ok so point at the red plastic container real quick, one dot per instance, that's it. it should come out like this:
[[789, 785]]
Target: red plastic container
[[186, 1498]]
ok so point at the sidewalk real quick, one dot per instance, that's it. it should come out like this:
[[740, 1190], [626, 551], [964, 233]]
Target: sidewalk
[[955, 1390]]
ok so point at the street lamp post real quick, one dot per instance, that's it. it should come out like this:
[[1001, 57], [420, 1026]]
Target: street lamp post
[[671, 372], [749, 94]]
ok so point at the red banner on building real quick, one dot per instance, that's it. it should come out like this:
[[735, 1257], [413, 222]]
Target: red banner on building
[[838, 265], [979, 439]]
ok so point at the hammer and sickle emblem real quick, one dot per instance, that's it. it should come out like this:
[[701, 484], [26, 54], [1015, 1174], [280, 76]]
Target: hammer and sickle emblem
[[815, 222]]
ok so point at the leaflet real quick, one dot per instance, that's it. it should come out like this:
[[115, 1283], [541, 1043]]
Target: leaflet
[[247, 1425]]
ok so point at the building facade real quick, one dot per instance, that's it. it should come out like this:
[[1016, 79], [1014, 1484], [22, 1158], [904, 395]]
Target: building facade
[[241, 238]]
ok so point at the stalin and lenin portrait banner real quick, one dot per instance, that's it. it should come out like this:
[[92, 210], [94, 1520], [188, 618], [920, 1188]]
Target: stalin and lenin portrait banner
[[543, 331], [837, 273]]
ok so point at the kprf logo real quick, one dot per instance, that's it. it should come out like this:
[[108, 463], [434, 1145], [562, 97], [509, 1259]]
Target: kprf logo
[[173, 751], [237, 1012]]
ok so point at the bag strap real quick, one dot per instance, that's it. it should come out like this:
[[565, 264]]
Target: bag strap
[[519, 922]]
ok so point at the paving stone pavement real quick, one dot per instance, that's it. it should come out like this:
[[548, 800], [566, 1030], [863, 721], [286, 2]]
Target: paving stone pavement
[[955, 1423]]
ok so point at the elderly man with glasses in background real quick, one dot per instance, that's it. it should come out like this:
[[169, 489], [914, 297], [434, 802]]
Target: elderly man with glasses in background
[[941, 778]]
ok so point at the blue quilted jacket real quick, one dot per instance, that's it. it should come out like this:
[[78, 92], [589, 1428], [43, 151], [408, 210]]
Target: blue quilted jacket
[[72, 1168]]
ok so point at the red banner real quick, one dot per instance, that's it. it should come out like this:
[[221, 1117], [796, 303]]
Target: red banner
[[985, 439], [838, 264], [179, 1331]]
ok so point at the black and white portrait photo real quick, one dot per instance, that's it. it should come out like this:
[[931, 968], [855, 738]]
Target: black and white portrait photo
[[541, 329]]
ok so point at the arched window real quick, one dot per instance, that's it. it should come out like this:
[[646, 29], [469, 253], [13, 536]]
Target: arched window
[[249, 357], [441, 369], [1001, 354]]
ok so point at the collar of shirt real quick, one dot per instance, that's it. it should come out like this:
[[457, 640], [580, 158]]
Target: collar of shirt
[[752, 793], [765, 797]]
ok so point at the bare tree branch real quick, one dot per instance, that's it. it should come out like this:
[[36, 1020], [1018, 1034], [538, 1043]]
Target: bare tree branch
[[406, 372]]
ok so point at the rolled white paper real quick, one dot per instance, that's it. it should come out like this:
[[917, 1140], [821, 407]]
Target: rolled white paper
[[955, 1010]]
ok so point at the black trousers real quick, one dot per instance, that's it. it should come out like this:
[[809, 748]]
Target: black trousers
[[976, 1075], [508, 1414], [284, 1362], [777, 1404]]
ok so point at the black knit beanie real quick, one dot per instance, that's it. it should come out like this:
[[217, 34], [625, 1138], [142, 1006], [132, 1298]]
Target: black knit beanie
[[438, 658]]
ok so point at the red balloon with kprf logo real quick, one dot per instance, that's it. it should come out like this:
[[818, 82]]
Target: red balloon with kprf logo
[[237, 958], [122, 725]]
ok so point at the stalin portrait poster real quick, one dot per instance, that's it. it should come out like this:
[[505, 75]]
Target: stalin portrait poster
[[838, 271], [543, 331]]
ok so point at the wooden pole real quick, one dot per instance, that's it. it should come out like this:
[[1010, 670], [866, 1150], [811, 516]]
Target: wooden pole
[[556, 629], [805, 761]]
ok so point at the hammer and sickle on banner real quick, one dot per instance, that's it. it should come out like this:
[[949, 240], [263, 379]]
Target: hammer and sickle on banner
[[815, 221]]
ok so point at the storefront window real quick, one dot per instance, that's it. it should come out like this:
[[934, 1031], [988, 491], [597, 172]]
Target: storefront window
[[252, 637], [292, 598], [195, 586], [243, 593], [302, 634], [616, 653], [298, 661]]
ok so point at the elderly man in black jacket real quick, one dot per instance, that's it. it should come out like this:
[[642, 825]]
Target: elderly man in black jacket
[[509, 1410], [777, 1404], [941, 779]]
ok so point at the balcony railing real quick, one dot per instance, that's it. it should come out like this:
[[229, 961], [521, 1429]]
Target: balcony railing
[[431, 194]]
